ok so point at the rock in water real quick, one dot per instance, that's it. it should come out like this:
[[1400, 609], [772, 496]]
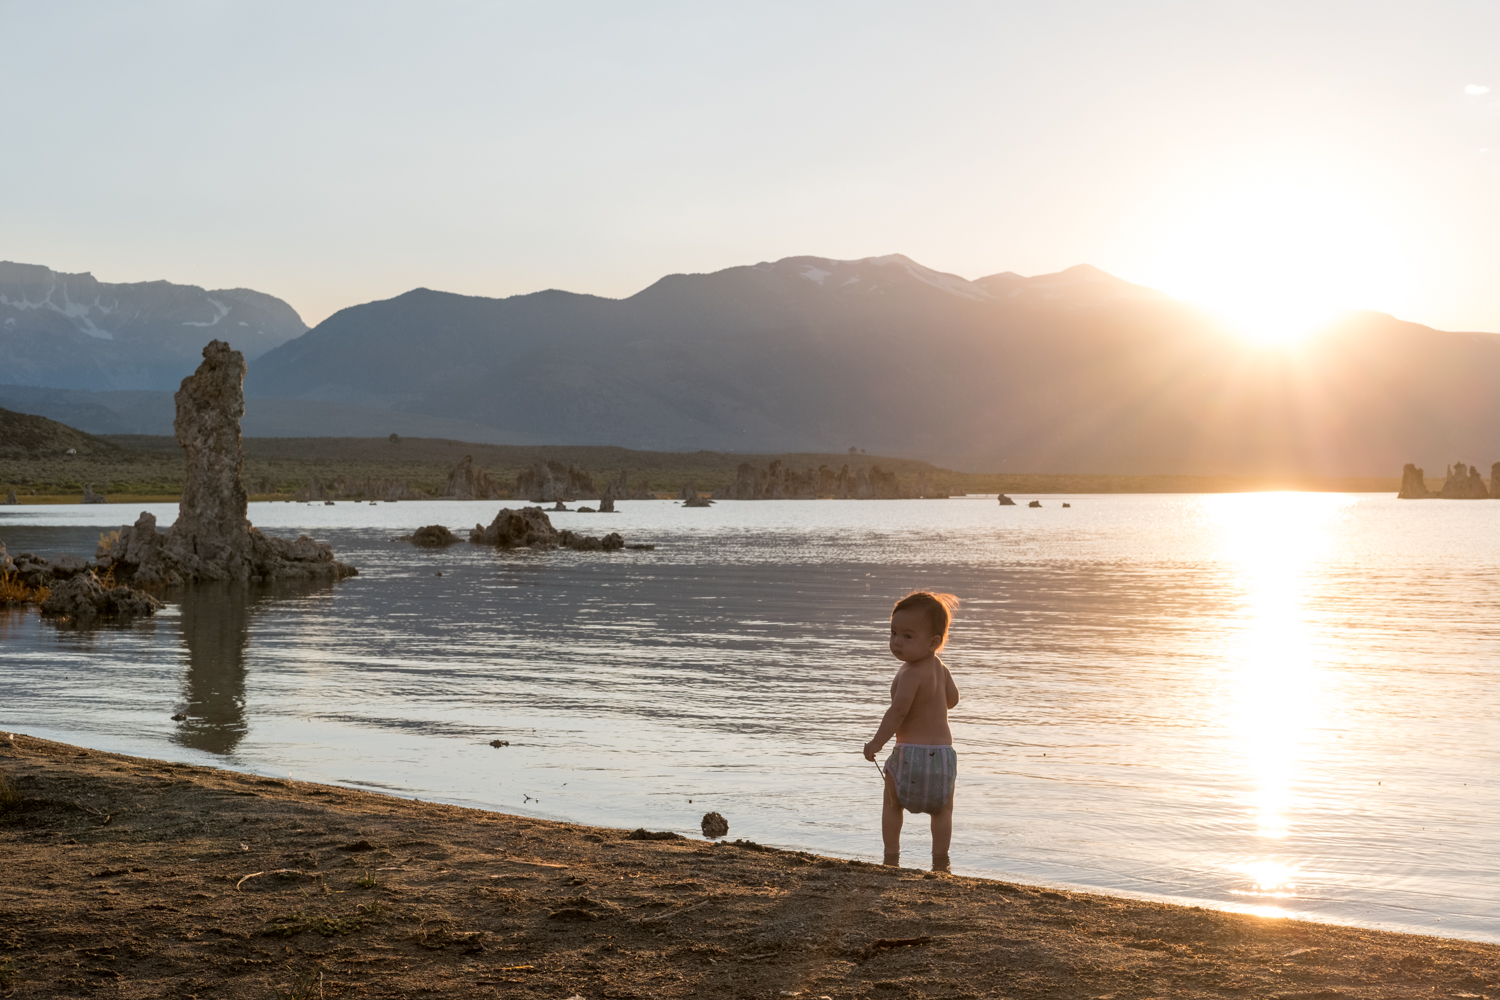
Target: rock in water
[[67, 566], [1494, 481], [530, 527], [510, 529], [11, 501], [715, 826], [697, 502], [212, 538], [1413, 484], [433, 536], [84, 598], [1006, 501], [1035, 503], [89, 496], [1464, 483]]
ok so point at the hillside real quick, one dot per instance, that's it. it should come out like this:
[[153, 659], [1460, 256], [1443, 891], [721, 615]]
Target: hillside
[[24, 436], [152, 467], [1072, 372], [72, 331]]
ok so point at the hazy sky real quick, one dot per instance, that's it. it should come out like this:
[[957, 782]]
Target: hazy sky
[[1257, 156]]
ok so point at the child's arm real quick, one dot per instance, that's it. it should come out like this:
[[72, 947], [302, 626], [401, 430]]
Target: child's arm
[[903, 692], [950, 689]]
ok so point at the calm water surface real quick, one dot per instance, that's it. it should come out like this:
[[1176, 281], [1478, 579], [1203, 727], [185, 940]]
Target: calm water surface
[[1281, 703]]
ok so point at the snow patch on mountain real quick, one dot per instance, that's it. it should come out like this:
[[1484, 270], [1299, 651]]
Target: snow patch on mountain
[[73, 331], [220, 308]]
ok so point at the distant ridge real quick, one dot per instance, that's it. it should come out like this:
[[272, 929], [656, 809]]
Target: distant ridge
[[72, 331], [1066, 372], [1077, 371]]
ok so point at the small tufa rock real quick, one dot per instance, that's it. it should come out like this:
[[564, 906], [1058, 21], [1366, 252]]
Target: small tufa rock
[[83, 598], [1035, 503], [433, 536], [67, 566], [89, 496], [10, 499], [530, 527], [179, 717], [1006, 501], [499, 743], [715, 826]]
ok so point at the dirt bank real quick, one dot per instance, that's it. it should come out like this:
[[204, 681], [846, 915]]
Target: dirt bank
[[127, 877]]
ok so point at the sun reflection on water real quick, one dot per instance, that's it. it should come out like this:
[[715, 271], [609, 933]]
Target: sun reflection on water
[[1275, 696]]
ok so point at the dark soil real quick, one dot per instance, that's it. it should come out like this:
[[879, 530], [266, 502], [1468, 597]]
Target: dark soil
[[126, 877]]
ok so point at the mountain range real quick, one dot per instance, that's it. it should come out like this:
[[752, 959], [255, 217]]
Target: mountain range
[[72, 331], [1075, 371]]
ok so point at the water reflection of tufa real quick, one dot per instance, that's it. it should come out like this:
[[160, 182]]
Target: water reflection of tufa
[[216, 633]]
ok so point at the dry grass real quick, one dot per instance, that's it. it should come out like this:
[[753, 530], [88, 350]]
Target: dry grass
[[14, 591], [107, 541], [10, 798]]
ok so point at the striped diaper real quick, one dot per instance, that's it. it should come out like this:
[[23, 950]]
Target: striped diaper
[[923, 775]]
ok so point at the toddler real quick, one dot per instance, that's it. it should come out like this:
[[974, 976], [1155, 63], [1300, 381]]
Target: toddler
[[921, 769]]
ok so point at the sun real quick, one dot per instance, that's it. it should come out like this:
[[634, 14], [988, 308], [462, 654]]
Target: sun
[[1277, 250]]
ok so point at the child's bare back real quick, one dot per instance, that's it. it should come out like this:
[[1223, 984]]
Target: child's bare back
[[929, 691]]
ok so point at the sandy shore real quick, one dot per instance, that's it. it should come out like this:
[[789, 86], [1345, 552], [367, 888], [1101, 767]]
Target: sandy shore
[[121, 876]]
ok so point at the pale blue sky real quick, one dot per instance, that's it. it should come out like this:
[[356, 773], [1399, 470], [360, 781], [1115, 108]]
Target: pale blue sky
[[1249, 155]]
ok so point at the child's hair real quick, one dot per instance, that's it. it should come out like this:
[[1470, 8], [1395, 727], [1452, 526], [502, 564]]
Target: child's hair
[[939, 609]]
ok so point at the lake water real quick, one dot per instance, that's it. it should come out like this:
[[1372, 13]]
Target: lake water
[[1279, 703]]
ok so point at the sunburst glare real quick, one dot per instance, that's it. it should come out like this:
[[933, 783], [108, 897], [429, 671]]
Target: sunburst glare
[[1277, 250], [1273, 693]]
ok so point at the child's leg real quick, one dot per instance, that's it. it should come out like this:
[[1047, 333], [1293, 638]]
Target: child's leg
[[942, 835], [890, 823]]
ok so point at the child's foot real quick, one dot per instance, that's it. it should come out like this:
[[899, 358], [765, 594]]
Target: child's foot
[[940, 862], [892, 861]]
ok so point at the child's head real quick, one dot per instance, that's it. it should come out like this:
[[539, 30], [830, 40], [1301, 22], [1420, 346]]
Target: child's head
[[919, 624]]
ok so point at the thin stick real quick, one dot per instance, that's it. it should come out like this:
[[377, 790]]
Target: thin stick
[[274, 871], [96, 812], [662, 917]]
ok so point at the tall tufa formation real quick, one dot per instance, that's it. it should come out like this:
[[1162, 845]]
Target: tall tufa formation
[[549, 482], [774, 482], [212, 538], [466, 482], [1413, 484], [1464, 483]]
